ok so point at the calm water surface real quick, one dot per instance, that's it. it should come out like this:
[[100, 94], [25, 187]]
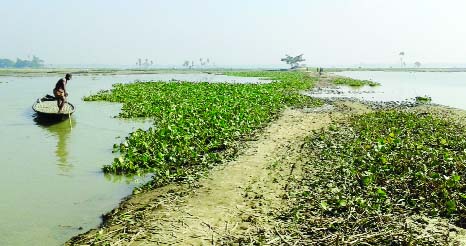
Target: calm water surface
[[443, 87], [51, 181]]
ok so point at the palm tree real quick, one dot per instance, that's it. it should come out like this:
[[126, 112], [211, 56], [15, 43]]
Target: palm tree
[[402, 54]]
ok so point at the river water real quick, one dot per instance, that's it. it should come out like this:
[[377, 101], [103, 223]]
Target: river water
[[51, 183], [445, 88]]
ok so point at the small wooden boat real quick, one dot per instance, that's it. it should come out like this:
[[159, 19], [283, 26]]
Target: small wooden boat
[[47, 107]]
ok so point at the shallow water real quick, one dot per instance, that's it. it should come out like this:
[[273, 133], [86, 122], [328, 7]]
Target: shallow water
[[51, 183], [445, 88]]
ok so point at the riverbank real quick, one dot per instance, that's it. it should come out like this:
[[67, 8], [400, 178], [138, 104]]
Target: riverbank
[[40, 72], [398, 69], [244, 200]]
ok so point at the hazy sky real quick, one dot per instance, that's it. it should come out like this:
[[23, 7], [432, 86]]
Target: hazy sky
[[234, 32]]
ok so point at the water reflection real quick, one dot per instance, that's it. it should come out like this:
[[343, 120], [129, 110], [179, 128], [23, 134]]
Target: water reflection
[[61, 129], [128, 179]]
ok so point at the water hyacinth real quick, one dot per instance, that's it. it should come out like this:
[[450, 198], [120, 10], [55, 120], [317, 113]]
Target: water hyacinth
[[353, 82], [368, 175], [197, 124]]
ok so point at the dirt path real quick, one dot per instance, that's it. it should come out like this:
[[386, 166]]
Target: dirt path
[[219, 207], [225, 203]]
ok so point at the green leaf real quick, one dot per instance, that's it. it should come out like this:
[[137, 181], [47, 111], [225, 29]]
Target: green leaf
[[451, 206], [342, 203], [367, 180], [324, 205], [381, 193]]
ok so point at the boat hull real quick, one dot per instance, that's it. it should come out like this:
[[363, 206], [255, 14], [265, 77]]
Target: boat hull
[[49, 109]]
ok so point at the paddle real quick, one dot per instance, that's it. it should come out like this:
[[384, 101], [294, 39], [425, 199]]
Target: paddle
[[69, 117], [69, 114]]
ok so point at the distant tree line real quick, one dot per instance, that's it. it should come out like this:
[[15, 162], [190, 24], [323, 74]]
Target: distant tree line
[[202, 62], [35, 62], [145, 64]]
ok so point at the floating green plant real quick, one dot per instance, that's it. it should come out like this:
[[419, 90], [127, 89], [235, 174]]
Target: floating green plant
[[197, 124], [353, 82]]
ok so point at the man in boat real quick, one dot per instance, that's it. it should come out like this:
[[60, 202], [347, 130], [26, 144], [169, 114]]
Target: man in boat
[[60, 91]]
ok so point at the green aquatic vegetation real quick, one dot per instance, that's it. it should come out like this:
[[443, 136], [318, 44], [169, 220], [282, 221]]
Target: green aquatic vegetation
[[368, 175], [291, 81], [196, 124], [423, 99], [353, 82]]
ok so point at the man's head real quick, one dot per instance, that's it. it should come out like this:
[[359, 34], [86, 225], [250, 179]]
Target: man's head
[[68, 76]]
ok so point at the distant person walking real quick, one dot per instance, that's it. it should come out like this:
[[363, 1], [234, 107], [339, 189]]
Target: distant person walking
[[60, 91]]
